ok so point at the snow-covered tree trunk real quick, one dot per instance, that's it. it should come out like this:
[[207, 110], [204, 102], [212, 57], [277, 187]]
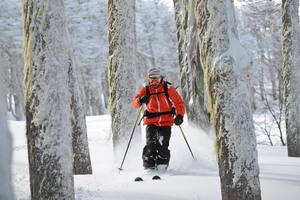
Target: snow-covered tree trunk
[[273, 76], [81, 155], [16, 81], [122, 78], [192, 79], [48, 63], [11, 55], [105, 88], [225, 64], [291, 73], [280, 87], [261, 84], [181, 19], [6, 191], [197, 102]]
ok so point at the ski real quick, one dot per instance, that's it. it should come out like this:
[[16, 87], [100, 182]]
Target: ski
[[138, 179], [156, 177]]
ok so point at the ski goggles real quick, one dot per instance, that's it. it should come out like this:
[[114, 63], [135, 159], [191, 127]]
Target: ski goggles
[[154, 80]]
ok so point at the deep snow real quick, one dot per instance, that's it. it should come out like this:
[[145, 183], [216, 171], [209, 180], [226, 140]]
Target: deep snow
[[185, 178]]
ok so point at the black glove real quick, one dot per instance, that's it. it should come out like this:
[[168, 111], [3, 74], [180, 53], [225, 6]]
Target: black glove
[[178, 120], [144, 99]]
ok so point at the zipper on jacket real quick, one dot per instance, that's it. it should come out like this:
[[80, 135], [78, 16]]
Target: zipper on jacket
[[158, 105]]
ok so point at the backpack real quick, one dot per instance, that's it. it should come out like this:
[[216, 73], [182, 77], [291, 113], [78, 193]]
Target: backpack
[[157, 114]]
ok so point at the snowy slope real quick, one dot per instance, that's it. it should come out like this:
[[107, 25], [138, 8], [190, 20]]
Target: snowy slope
[[185, 179]]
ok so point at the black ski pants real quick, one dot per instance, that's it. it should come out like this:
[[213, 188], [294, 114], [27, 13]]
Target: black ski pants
[[156, 150]]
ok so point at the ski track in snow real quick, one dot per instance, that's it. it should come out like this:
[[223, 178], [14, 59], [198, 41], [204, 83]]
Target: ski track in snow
[[185, 178]]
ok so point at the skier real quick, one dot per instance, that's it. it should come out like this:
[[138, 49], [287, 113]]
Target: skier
[[162, 103]]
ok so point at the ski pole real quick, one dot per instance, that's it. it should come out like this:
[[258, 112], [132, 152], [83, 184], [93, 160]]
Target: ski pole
[[187, 142], [137, 119]]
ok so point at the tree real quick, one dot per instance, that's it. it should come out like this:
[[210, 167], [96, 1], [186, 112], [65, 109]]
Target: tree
[[225, 67], [11, 55], [48, 62], [122, 77], [81, 154], [6, 191], [156, 41], [16, 92], [191, 74], [181, 18], [259, 30], [290, 37], [87, 24]]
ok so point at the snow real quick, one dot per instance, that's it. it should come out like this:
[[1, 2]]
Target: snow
[[5, 144], [185, 178]]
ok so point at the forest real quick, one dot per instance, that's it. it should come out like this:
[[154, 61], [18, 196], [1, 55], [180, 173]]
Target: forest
[[69, 71]]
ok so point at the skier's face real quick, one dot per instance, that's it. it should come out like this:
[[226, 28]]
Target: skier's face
[[154, 81]]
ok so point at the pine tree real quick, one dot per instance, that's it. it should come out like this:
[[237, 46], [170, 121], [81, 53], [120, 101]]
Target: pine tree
[[290, 73], [48, 63], [122, 77], [6, 191], [225, 65]]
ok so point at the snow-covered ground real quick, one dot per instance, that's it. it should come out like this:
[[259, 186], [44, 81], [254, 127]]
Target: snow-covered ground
[[185, 180]]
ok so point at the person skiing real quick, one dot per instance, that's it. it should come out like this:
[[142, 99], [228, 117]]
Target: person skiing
[[162, 103]]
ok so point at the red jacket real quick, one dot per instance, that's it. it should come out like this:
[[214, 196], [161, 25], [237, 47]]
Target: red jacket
[[160, 103]]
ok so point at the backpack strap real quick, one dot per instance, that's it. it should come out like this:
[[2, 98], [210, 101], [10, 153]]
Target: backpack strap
[[166, 87], [150, 115], [157, 114], [166, 91], [148, 90]]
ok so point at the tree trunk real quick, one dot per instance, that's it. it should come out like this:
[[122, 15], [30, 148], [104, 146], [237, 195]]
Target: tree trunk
[[192, 79], [6, 190], [17, 81], [48, 63], [261, 84], [96, 104], [280, 87], [105, 89], [16, 102], [273, 76], [197, 104], [228, 99], [181, 18], [290, 73], [81, 154], [122, 77]]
